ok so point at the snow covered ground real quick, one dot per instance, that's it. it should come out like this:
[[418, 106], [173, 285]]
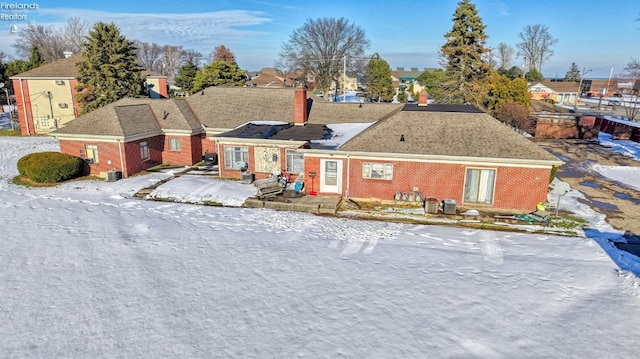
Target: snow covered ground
[[88, 271]]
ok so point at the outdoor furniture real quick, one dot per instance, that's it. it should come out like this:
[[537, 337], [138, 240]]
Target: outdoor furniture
[[268, 187]]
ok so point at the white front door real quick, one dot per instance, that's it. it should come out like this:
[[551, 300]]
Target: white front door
[[331, 176]]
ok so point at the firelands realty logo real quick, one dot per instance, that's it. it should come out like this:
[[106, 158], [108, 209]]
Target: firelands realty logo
[[15, 11]]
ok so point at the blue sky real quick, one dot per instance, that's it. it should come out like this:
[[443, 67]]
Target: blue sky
[[596, 35]]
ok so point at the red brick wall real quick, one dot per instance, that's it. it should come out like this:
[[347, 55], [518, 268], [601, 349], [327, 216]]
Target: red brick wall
[[190, 150], [106, 151], [231, 173], [27, 126], [515, 188], [133, 156]]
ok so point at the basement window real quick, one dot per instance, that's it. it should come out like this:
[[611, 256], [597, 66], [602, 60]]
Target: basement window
[[377, 170]]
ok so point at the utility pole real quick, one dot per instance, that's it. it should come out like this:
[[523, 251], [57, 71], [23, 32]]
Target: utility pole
[[344, 78]]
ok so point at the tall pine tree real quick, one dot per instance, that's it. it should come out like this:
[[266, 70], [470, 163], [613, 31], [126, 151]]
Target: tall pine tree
[[462, 56], [378, 77], [186, 76], [108, 70]]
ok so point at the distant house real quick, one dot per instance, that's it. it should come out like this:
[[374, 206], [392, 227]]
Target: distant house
[[360, 151], [559, 92], [45, 96]]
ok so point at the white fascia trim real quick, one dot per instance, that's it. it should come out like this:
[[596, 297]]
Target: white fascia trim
[[485, 161], [103, 138], [258, 142], [182, 132], [42, 78]]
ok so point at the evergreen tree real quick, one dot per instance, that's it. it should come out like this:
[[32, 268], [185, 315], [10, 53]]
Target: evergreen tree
[[433, 81], [463, 56], [533, 75], [219, 73], [35, 59], [186, 76], [514, 72], [378, 78], [501, 89], [573, 74], [109, 69]]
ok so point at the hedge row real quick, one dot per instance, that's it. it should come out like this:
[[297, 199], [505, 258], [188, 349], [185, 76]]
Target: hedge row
[[49, 167]]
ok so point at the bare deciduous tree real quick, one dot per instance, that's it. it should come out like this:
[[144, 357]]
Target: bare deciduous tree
[[50, 41], [323, 48], [149, 55], [172, 60], [536, 46], [632, 74], [191, 55], [505, 53]]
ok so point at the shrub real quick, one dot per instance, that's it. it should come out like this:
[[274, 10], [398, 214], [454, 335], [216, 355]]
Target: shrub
[[43, 167]]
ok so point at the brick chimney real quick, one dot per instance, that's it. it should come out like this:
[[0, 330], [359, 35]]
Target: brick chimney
[[300, 113], [423, 98]]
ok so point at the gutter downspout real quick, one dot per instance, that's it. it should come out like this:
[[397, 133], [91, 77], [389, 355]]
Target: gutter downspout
[[121, 160], [348, 176], [24, 108], [218, 152]]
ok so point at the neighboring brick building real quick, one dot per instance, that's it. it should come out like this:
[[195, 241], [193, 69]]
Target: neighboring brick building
[[360, 151], [45, 97]]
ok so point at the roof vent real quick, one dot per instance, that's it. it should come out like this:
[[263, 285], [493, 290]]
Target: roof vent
[[165, 114], [401, 138]]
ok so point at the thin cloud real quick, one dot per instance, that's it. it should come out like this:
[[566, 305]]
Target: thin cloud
[[191, 29]]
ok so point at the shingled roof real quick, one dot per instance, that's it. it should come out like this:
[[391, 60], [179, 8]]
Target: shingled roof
[[63, 69], [122, 119], [60, 69], [429, 132], [230, 107], [130, 117]]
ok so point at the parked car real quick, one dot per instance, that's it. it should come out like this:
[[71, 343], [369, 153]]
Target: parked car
[[614, 103], [617, 94]]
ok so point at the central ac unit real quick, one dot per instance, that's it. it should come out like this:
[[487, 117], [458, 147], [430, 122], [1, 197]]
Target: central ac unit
[[59, 82], [62, 105]]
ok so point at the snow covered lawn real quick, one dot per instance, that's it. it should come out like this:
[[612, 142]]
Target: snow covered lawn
[[88, 271]]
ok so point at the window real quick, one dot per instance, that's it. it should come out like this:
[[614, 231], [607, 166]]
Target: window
[[91, 152], [478, 186], [377, 170], [295, 162], [144, 150], [174, 144], [235, 156]]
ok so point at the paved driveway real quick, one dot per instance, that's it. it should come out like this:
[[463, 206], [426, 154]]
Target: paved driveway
[[620, 203]]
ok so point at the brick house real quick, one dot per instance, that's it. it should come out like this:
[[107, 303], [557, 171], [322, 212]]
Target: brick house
[[559, 92], [45, 96], [132, 135], [444, 151]]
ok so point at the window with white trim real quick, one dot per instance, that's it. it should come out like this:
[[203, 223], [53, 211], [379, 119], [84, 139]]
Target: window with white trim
[[174, 144], [377, 170], [234, 156], [295, 162], [144, 150], [479, 185], [91, 153]]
